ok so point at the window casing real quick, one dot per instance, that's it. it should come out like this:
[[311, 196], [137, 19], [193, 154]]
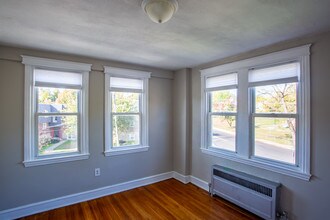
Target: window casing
[[56, 111], [288, 128], [126, 111]]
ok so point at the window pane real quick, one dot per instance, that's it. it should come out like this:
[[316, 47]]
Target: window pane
[[279, 98], [223, 132], [124, 102], [59, 77], [275, 138], [57, 134], [224, 100], [54, 100], [126, 130]]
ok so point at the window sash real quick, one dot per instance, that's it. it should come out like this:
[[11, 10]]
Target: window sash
[[36, 144], [210, 113], [209, 99], [38, 114], [139, 113], [140, 102], [252, 100], [126, 113], [79, 100], [210, 129], [36, 149], [275, 115], [254, 115], [253, 138]]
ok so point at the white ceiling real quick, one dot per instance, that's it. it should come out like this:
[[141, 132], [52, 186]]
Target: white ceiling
[[201, 31]]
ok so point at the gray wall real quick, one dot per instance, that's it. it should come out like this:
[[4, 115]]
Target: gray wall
[[18, 185], [21, 186], [302, 199], [181, 121]]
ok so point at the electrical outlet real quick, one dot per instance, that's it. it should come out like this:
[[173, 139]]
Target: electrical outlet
[[97, 172]]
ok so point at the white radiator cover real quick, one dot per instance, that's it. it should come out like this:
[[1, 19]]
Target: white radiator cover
[[254, 194]]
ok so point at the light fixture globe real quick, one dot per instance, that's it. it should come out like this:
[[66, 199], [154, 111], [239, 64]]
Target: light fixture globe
[[160, 11]]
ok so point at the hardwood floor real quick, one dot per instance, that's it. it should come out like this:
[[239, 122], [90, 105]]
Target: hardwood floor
[[169, 199]]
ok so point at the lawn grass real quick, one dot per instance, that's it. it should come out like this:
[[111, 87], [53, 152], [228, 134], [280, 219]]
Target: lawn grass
[[43, 148], [266, 129], [67, 145]]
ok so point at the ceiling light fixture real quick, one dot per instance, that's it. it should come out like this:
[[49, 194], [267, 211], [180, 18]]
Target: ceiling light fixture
[[160, 11]]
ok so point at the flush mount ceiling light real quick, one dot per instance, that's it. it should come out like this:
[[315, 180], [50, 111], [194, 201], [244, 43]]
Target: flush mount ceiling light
[[160, 11]]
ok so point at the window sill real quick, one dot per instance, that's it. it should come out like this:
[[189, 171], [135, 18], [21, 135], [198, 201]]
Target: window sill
[[52, 160], [125, 150], [281, 169]]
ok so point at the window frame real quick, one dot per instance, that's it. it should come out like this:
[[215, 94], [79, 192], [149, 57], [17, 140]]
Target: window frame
[[31, 156], [244, 154], [143, 109], [210, 113]]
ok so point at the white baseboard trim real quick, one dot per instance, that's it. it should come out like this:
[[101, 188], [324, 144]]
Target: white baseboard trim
[[182, 178], [191, 179], [200, 183], [80, 197], [97, 193]]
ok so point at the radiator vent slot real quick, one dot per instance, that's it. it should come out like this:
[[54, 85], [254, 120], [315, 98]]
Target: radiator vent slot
[[252, 193], [253, 186]]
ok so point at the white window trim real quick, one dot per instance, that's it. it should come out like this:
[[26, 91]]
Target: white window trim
[[30, 158], [126, 73], [244, 147]]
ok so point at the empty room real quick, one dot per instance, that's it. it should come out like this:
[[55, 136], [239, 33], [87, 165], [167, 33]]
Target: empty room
[[165, 109]]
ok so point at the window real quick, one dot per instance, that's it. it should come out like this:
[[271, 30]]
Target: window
[[271, 120], [274, 112], [126, 111], [56, 104], [222, 111]]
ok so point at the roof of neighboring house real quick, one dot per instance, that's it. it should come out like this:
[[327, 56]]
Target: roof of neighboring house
[[50, 108]]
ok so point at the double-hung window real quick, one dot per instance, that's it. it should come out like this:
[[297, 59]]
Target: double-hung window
[[222, 111], [269, 127], [56, 104], [274, 112], [126, 111]]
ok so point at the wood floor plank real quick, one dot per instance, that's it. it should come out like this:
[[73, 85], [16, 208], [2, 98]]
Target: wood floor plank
[[204, 204], [169, 199]]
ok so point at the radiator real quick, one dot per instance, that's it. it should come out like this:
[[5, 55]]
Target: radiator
[[254, 194]]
